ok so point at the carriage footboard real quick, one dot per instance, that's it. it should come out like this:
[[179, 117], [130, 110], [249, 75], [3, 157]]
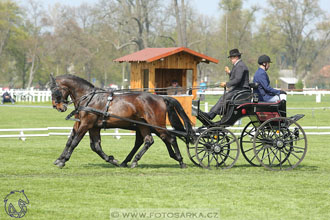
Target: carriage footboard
[[297, 117]]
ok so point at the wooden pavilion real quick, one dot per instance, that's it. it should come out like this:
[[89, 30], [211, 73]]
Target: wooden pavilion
[[153, 68]]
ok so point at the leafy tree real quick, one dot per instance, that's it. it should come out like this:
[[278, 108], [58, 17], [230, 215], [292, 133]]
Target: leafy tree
[[297, 21]]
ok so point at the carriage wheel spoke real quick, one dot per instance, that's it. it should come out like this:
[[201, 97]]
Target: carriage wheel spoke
[[262, 148], [271, 163], [222, 160], [216, 159], [248, 150], [275, 156], [289, 162], [293, 140], [200, 151], [204, 155], [227, 156], [210, 160], [232, 141], [287, 157], [295, 155], [266, 155], [301, 148], [280, 160]]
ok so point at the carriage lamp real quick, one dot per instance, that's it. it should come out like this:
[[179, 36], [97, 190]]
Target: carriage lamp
[[243, 111]]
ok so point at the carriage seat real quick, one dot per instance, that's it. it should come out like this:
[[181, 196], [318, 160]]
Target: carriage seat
[[241, 97], [244, 96]]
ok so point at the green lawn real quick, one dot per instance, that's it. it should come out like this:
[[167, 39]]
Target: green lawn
[[87, 188]]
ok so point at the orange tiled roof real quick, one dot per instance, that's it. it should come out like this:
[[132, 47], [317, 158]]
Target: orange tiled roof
[[152, 54]]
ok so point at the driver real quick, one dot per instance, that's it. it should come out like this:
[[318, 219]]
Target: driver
[[238, 80]]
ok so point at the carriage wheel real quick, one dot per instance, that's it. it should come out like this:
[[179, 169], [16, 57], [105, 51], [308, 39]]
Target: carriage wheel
[[217, 148], [280, 144], [192, 155], [246, 143], [191, 149]]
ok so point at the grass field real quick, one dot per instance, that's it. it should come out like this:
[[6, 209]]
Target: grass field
[[87, 188]]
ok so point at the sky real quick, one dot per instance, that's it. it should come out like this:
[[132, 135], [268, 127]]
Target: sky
[[210, 7], [206, 7]]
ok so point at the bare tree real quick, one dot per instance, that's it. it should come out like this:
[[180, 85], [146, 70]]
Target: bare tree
[[35, 18], [181, 23], [133, 20]]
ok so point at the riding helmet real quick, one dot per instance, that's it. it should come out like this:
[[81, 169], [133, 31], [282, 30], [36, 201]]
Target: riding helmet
[[264, 59]]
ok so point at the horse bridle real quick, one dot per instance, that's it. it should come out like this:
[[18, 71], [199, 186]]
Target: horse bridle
[[56, 91]]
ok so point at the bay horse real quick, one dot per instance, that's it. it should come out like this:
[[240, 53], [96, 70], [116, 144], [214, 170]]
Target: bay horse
[[96, 108]]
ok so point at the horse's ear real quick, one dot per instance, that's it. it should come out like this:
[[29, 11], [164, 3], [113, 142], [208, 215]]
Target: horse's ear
[[52, 80]]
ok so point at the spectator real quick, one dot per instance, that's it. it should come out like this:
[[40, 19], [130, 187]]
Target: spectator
[[6, 97], [174, 89]]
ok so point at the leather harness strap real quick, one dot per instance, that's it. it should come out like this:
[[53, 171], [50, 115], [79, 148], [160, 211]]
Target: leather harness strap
[[79, 108], [109, 99]]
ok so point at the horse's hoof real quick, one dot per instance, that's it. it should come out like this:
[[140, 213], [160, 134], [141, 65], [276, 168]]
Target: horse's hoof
[[123, 164], [183, 165], [134, 164], [60, 165], [114, 162], [56, 162]]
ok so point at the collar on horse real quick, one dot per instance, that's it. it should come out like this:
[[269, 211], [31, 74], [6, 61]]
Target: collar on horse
[[90, 96]]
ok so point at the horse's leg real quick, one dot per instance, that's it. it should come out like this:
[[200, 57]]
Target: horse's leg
[[95, 143], [177, 152], [169, 147], [171, 140], [68, 143], [76, 139], [137, 145], [148, 141]]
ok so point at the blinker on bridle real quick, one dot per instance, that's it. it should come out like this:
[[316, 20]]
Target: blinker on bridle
[[55, 89], [58, 95]]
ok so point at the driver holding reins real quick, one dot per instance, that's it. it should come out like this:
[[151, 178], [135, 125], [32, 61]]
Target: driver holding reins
[[238, 80]]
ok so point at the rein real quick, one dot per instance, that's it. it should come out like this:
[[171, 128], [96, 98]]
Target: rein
[[216, 85], [106, 114], [90, 96]]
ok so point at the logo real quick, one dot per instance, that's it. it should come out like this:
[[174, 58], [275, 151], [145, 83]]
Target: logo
[[15, 204]]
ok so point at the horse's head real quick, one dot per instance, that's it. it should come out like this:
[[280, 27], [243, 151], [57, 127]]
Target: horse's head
[[59, 95]]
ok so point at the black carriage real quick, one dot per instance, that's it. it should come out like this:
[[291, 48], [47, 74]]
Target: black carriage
[[270, 139]]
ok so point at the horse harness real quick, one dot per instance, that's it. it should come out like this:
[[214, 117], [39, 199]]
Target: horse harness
[[106, 114], [90, 96]]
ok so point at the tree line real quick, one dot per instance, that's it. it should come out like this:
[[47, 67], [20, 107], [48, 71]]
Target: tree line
[[83, 40]]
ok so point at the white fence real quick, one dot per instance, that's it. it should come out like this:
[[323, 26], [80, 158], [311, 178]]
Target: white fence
[[22, 133], [318, 93], [31, 95]]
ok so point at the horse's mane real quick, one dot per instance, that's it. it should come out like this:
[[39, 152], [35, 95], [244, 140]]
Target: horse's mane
[[78, 79]]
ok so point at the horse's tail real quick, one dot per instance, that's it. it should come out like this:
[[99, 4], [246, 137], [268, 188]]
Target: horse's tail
[[175, 112]]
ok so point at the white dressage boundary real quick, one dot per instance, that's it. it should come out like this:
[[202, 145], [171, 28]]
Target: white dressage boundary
[[21, 133], [33, 95]]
